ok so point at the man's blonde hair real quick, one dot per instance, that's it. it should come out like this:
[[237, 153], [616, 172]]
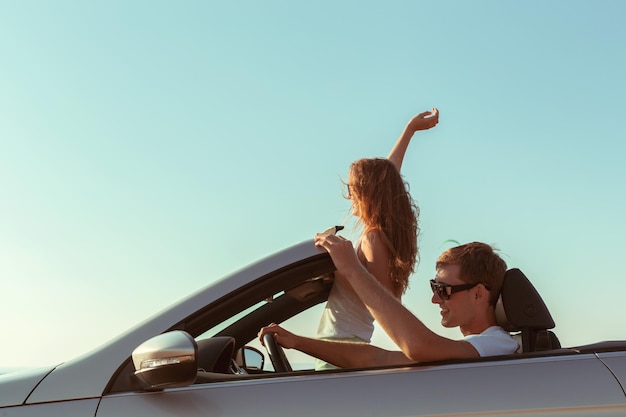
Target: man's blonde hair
[[479, 264]]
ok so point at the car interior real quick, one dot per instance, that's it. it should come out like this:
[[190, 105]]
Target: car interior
[[223, 329], [520, 310]]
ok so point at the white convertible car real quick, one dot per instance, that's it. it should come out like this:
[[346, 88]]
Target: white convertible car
[[195, 359]]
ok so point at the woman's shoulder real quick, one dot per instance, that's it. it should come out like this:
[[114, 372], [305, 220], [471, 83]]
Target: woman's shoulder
[[372, 235], [374, 239]]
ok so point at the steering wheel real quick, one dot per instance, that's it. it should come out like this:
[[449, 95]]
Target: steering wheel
[[276, 354]]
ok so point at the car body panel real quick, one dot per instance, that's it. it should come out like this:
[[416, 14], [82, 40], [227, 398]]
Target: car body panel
[[78, 408], [16, 386], [499, 387], [616, 361], [88, 375]]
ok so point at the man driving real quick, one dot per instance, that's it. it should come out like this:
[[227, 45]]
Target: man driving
[[466, 288]]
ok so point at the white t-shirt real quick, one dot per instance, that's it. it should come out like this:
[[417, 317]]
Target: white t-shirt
[[493, 341]]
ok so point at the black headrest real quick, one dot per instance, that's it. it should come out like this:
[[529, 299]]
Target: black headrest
[[520, 306]]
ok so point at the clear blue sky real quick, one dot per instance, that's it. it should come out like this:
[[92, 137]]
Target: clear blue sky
[[148, 148]]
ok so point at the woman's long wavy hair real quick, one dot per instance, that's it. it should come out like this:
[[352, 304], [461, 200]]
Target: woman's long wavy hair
[[386, 205]]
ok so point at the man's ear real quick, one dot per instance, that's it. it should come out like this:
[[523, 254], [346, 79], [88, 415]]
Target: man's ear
[[481, 292]]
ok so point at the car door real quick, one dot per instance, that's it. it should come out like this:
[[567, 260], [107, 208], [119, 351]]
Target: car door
[[616, 361], [578, 385]]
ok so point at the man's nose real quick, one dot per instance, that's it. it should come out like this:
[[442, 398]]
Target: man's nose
[[435, 299]]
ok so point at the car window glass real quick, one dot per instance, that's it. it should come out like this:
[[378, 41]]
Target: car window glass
[[223, 325], [304, 323]]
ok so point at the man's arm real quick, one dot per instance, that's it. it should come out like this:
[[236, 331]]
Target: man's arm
[[422, 121], [415, 340], [341, 354]]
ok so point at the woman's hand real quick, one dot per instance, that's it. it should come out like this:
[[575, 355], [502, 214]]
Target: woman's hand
[[423, 121]]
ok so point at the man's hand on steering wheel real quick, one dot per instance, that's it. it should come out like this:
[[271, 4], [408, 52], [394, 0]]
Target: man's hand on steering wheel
[[274, 338]]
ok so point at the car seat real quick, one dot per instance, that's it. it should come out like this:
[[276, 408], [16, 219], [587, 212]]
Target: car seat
[[521, 311]]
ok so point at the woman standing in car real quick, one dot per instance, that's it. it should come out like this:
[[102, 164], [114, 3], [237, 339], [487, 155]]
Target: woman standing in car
[[387, 246]]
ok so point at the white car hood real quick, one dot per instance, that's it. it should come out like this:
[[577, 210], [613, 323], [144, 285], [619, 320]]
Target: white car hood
[[16, 386]]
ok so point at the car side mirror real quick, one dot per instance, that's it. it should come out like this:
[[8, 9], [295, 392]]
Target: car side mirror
[[167, 360], [253, 359]]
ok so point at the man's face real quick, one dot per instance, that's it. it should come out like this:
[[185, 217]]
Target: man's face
[[457, 310]]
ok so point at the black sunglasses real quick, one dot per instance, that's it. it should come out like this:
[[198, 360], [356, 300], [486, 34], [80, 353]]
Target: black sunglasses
[[444, 291]]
